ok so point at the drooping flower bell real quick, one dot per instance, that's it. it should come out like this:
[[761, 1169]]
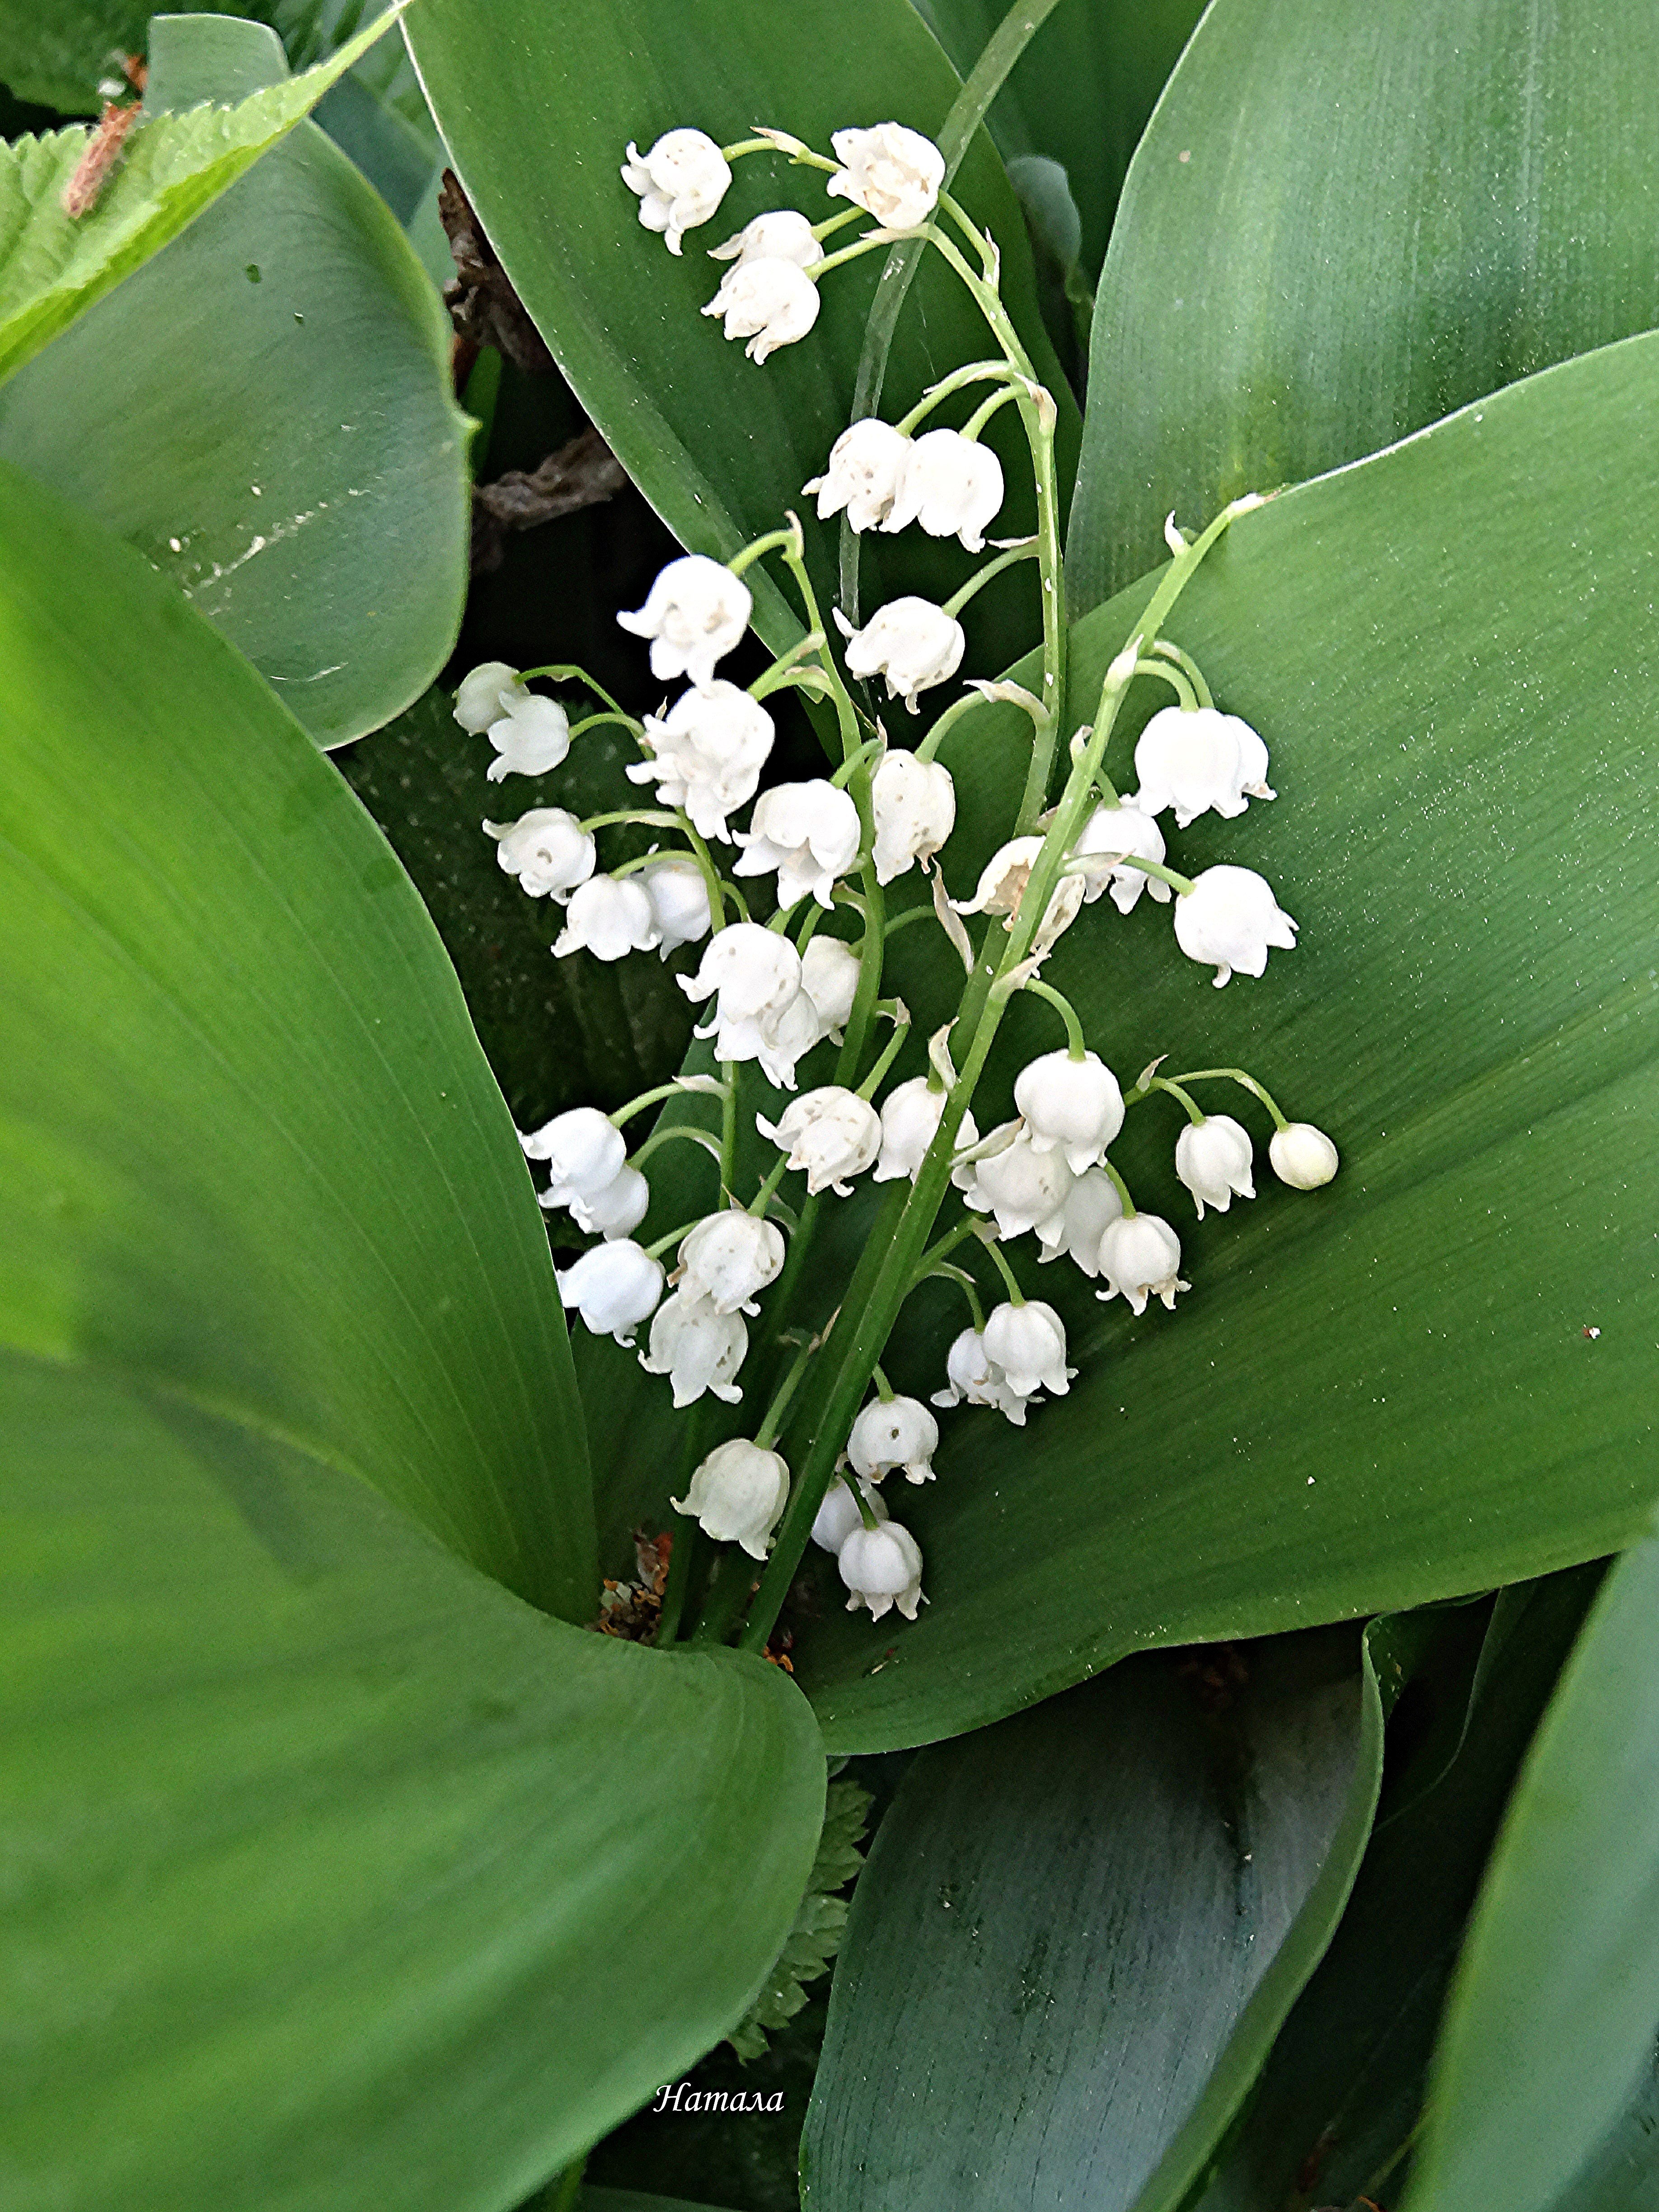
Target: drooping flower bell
[[770, 303], [892, 173], [1231, 917], [694, 613], [1302, 1156], [829, 973], [706, 754], [750, 973], [1027, 1343], [972, 1374], [738, 1495], [1024, 1187], [780, 234], [615, 1287], [1140, 1257], [951, 485], [839, 1514], [547, 849], [485, 694], [1091, 1204], [1213, 1159], [882, 1568], [1109, 833], [894, 1433], [1197, 759], [910, 641], [830, 1133], [810, 833], [583, 1149], [1074, 1106], [679, 902], [681, 183], [617, 1210], [914, 806], [697, 1348], [788, 1037], [609, 916], [531, 734], [862, 474], [910, 1116], [728, 1259]]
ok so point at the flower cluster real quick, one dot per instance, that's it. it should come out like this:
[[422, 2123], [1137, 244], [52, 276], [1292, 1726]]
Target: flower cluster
[[717, 1296]]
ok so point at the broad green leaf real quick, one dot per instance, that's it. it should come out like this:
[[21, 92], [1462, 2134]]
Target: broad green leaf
[[1344, 222], [1391, 1390], [264, 411], [1068, 1920], [250, 1155], [1550, 2028], [720, 446], [1342, 2090], [53, 265], [336, 1875]]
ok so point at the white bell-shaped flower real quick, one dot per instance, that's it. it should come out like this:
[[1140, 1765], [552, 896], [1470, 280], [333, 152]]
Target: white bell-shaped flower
[[1140, 1257], [584, 1152], [809, 832], [1027, 1343], [974, 1376], [614, 1211], [894, 1433], [784, 1038], [615, 1287], [694, 613], [951, 485], [862, 474], [882, 1568], [892, 173], [910, 641], [1213, 1159], [1002, 886], [910, 1116], [609, 916], [770, 303], [486, 694], [547, 849], [1302, 1156], [679, 902], [830, 1133], [750, 973], [697, 1348], [706, 754], [1195, 759], [738, 1495], [681, 182], [1074, 1106], [914, 806], [1024, 1187], [532, 736], [728, 1259], [839, 1514], [780, 234], [1230, 916], [830, 974], [1109, 833], [1092, 1206]]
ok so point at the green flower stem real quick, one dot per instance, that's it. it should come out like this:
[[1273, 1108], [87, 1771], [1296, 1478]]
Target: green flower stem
[[886, 1267], [884, 1389], [763, 1196], [815, 914], [872, 749], [983, 414], [953, 713], [1185, 661], [877, 242], [867, 1512], [1177, 882], [1029, 551], [981, 242], [596, 722], [1195, 1111], [736, 152], [656, 1249], [834, 223], [910, 914], [659, 1138], [948, 1271], [1122, 1188], [568, 671], [659, 1092], [999, 1260], [781, 669], [728, 1154], [1232, 1075], [871, 1082], [649, 817], [1172, 676], [773, 541], [1068, 1012], [766, 1434], [975, 371], [931, 1261]]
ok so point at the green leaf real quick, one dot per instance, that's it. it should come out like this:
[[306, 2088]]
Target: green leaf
[[720, 446], [1550, 2029], [53, 265], [338, 1876], [264, 411], [250, 1152], [1344, 222], [1069, 1920], [820, 1919], [1386, 1392]]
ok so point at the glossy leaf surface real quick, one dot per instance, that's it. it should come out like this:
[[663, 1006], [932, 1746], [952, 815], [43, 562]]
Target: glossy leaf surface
[[264, 411], [252, 1154], [1344, 222], [1387, 1391]]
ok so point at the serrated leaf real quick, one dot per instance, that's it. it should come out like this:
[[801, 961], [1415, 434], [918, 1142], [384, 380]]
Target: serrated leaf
[[819, 1923]]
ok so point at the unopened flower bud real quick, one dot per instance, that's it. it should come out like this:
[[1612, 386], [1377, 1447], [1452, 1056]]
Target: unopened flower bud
[[770, 303], [617, 1210], [951, 485], [894, 1433], [1110, 834], [1141, 1256], [584, 1152], [914, 806], [892, 173], [831, 1132], [547, 849], [729, 1258], [615, 1286], [679, 902], [1213, 1159], [1027, 1343], [911, 642], [738, 1495], [1071, 1106], [694, 613], [681, 182], [862, 476], [706, 753], [781, 234], [810, 833], [697, 1348], [839, 1514], [609, 916], [829, 973], [882, 1568], [1197, 759], [1230, 916], [1302, 1156]]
